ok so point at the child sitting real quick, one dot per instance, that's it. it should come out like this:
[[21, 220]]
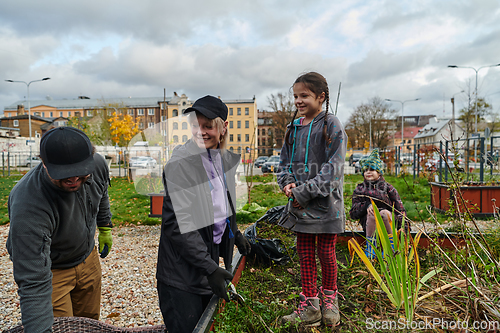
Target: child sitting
[[383, 194]]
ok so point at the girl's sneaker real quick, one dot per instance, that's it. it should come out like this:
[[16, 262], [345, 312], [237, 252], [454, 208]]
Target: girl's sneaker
[[330, 306], [307, 314]]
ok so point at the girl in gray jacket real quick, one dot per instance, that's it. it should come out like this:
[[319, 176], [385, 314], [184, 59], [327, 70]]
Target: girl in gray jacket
[[311, 174]]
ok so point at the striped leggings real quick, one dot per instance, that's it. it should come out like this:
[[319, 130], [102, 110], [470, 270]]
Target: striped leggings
[[306, 249]]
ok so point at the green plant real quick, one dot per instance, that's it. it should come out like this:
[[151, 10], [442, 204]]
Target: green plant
[[399, 266]]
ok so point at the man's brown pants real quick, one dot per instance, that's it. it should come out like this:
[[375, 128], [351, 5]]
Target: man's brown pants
[[76, 291]]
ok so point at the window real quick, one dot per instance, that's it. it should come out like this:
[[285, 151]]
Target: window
[[175, 113], [16, 123], [230, 124], [69, 113], [247, 124], [230, 111], [60, 113], [131, 112], [239, 150], [184, 103], [230, 138], [140, 112], [176, 139], [263, 141], [239, 137], [51, 114], [184, 138], [269, 132], [151, 124], [151, 111], [184, 126], [175, 126], [163, 118], [231, 149], [247, 137], [238, 112], [89, 113], [239, 123], [247, 111], [141, 125], [43, 114], [409, 141]]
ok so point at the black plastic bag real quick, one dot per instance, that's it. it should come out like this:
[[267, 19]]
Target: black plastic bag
[[267, 250]]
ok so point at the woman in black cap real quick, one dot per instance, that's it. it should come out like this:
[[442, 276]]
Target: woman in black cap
[[198, 219]]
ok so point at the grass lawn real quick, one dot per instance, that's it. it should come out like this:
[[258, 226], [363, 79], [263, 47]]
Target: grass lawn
[[129, 207]]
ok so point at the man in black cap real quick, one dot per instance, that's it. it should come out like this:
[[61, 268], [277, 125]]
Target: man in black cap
[[54, 211], [198, 219]]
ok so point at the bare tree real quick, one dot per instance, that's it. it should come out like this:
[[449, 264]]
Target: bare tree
[[282, 106], [468, 114], [376, 114]]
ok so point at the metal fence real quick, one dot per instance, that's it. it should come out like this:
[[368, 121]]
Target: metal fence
[[476, 159]]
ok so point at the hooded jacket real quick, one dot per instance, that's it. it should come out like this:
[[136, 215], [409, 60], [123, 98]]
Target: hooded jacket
[[51, 228], [187, 253], [383, 194], [317, 169]]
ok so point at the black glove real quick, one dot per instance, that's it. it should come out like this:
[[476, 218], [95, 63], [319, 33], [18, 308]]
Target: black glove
[[217, 281], [242, 244]]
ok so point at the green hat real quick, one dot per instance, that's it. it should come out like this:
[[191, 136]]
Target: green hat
[[372, 161]]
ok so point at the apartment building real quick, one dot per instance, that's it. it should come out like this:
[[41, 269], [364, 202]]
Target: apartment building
[[163, 114]]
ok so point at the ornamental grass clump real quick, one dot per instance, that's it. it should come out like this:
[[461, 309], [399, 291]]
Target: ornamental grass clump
[[398, 265]]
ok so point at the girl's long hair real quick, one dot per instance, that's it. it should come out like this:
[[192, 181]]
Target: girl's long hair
[[317, 84]]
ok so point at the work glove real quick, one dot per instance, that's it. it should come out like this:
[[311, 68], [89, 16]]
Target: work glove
[[105, 241], [217, 281], [242, 244]]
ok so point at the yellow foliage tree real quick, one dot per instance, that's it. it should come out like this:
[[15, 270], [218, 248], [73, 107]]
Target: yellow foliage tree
[[123, 128]]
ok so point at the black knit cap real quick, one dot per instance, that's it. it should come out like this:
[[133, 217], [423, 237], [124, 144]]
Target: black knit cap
[[67, 152], [209, 106]]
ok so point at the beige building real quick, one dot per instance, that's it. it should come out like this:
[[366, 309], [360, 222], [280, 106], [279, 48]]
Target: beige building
[[152, 114]]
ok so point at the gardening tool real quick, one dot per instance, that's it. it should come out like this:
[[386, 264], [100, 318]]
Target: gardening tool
[[233, 295]]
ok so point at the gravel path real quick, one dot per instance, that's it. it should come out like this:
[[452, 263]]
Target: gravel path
[[129, 297]]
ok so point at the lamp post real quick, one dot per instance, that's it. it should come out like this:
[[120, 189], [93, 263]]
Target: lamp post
[[29, 108], [402, 113], [476, 111], [475, 70]]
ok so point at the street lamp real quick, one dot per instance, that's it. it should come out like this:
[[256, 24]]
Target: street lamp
[[29, 109], [476, 70], [402, 113]]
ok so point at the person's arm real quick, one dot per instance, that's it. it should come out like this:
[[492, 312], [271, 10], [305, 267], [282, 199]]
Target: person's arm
[[178, 222], [284, 176], [29, 248], [360, 204], [331, 175]]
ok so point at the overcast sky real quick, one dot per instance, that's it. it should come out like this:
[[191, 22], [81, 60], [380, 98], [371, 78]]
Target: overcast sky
[[239, 49]]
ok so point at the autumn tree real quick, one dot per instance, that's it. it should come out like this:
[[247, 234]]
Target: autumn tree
[[282, 106], [122, 128], [374, 113]]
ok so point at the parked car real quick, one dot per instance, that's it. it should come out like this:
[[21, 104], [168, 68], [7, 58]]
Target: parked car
[[260, 161], [33, 162], [271, 165], [143, 162], [354, 158]]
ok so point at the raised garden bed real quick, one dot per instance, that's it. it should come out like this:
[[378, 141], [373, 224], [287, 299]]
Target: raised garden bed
[[480, 199]]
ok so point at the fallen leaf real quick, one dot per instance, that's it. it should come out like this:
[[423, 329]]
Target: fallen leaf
[[113, 315]]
